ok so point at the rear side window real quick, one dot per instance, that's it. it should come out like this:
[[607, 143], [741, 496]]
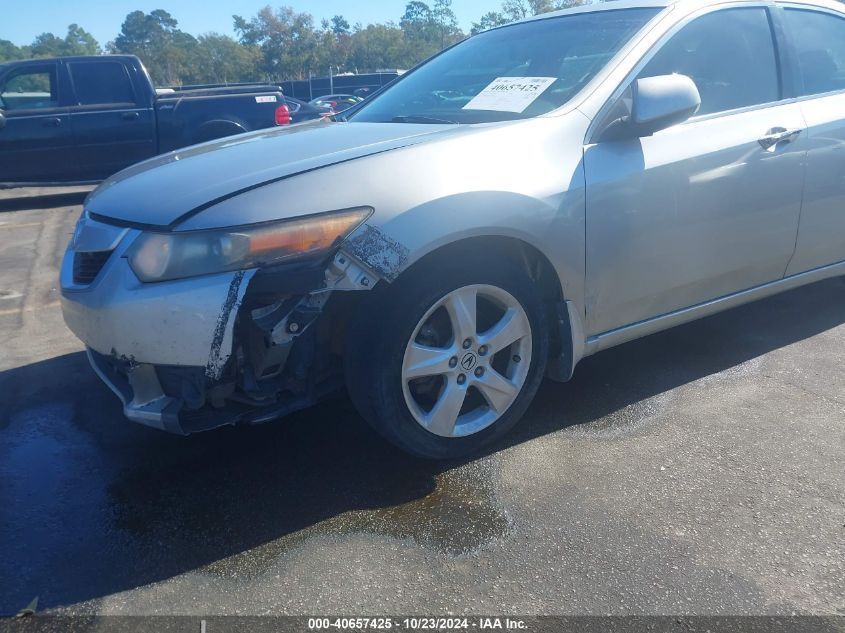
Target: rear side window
[[30, 88], [819, 41], [99, 83], [729, 54]]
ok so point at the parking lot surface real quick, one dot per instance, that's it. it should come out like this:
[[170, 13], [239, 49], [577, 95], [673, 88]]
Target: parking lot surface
[[698, 471]]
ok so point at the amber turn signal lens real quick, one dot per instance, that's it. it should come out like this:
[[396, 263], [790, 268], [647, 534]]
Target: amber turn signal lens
[[303, 236]]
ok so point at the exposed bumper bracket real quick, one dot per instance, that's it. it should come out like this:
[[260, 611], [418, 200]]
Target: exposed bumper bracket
[[141, 394]]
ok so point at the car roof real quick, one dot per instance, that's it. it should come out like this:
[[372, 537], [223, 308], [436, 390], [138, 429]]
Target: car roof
[[614, 5]]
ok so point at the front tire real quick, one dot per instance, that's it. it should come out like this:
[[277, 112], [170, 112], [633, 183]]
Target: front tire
[[447, 359]]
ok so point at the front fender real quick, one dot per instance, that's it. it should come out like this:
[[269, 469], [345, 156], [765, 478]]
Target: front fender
[[520, 179]]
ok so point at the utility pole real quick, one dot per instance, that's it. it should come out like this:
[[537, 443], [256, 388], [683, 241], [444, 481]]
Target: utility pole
[[331, 81]]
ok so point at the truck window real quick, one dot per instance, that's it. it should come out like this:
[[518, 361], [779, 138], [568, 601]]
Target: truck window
[[30, 88], [101, 82]]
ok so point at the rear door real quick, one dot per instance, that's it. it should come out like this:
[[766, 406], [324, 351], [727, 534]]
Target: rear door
[[706, 208], [36, 142], [818, 41], [112, 127]]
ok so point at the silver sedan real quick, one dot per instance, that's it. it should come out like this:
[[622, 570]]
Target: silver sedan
[[533, 195]]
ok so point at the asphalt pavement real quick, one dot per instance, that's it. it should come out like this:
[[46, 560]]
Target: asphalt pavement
[[697, 471]]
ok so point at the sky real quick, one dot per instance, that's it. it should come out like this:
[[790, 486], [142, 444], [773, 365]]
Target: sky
[[22, 21]]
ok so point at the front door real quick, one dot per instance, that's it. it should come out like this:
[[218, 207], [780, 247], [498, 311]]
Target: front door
[[112, 127], [36, 141], [706, 208]]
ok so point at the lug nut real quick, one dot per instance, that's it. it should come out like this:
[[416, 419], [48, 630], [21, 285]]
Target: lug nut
[[516, 358], [479, 372], [461, 379], [467, 343], [453, 362], [482, 350]]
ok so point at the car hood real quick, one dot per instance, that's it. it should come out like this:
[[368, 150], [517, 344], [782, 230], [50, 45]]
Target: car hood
[[159, 191]]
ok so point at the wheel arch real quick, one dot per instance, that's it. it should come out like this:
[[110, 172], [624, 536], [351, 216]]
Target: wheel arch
[[218, 128], [536, 263], [566, 329]]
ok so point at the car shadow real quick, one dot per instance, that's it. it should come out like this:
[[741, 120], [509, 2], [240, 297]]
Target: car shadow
[[41, 201], [94, 505]]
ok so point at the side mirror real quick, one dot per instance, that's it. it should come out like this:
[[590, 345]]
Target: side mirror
[[656, 104], [2, 119], [661, 102]]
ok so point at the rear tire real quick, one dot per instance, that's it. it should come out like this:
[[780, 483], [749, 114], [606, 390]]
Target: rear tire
[[416, 357]]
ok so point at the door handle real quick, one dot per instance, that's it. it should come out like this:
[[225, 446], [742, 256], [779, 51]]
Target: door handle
[[53, 122], [777, 135], [130, 116]]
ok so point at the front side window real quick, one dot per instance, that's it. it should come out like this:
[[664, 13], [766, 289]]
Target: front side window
[[30, 88], [819, 42], [100, 83], [514, 72], [729, 54]]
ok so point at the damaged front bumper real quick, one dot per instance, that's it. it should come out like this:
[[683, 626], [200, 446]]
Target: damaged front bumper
[[141, 393], [193, 354]]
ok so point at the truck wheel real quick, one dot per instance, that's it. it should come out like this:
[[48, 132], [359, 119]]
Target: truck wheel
[[447, 359]]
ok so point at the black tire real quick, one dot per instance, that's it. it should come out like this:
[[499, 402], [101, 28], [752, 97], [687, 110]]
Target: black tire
[[383, 325]]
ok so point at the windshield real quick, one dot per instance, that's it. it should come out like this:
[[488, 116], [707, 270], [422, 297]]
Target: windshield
[[513, 72]]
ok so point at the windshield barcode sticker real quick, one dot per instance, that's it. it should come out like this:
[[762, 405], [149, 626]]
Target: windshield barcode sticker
[[269, 99], [510, 94]]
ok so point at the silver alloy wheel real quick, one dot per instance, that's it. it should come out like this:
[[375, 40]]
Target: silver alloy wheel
[[451, 365]]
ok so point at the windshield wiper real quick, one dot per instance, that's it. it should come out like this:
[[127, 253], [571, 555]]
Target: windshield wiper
[[419, 118]]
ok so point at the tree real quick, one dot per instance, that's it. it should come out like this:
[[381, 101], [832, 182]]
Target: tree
[[288, 41], [221, 59], [274, 44], [9, 52], [488, 21], [78, 41], [446, 24], [543, 6], [566, 4], [339, 25], [379, 46], [157, 40], [428, 29], [515, 9], [46, 45], [417, 24]]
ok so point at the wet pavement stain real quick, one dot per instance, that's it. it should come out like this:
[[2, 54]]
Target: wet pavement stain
[[458, 517], [96, 505], [231, 502], [116, 505]]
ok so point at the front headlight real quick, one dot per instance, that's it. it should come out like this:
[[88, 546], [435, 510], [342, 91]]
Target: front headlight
[[161, 256]]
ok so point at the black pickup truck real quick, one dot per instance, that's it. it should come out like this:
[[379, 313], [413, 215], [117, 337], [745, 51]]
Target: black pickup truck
[[81, 119]]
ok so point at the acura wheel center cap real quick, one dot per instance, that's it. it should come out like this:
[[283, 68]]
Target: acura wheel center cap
[[468, 361]]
